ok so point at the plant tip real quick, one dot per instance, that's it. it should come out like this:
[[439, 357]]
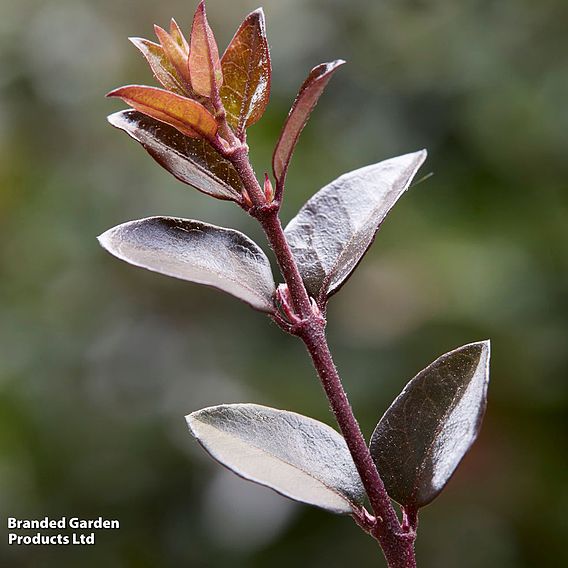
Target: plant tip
[[102, 238]]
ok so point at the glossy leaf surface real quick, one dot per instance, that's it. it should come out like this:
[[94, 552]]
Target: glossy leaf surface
[[186, 115], [423, 436], [306, 100], [246, 73], [161, 66], [297, 456], [334, 229], [197, 252], [191, 160], [204, 64]]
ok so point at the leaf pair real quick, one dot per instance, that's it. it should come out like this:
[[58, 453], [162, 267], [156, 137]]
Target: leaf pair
[[165, 61], [194, 70], [417, 445], [191, 74], [242, 78], [328, 237], [173, 62]]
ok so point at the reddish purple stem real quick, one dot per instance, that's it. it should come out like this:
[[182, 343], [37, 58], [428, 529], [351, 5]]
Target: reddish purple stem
[[396, 542]]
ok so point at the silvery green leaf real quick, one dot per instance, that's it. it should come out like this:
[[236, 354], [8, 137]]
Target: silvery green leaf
[[296, 456], [191, 160], [334, 229], [197, 252], [428, 429]]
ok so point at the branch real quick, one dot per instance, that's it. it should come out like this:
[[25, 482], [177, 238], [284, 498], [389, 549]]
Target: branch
[[397, 545]]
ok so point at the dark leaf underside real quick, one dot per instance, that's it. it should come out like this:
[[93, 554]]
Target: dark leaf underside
[[193, 161]]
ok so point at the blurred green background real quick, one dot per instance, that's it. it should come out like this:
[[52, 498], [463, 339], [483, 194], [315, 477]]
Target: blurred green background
[[99, 361]]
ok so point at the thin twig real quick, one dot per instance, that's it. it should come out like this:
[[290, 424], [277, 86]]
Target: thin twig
[[397, 545]]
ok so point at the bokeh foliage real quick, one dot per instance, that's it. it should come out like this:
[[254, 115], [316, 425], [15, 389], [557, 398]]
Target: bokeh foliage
[[99, 362]]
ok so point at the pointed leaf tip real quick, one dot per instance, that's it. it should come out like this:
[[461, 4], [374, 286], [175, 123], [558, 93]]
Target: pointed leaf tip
[[256, 15], [306, 100], [423, 436], [197, 252], [163, 69], [297, 456], [177, 35], [332, 232], [176, 50], [204, 63]]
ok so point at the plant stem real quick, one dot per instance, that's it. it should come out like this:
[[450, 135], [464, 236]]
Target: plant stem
[[397, 546], [277, 239], [398, 551]]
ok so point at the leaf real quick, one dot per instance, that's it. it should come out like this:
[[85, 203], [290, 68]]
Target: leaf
[[423, 436], [204, 64], [246, 73], [178, 36], [191, 160], [186, 115], [334, 229], [177, 53], [306, 100], [161, 66], [197, 252], [296, 456]]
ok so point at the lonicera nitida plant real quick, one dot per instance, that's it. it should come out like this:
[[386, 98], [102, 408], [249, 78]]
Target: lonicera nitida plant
[[195, 127]]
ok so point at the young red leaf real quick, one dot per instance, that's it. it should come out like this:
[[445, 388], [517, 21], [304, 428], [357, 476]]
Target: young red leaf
[[176, 53], [161, 66], [246, 73], [178, 36], [307, 98], [204, 64], [188, 116], [191, 160]]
